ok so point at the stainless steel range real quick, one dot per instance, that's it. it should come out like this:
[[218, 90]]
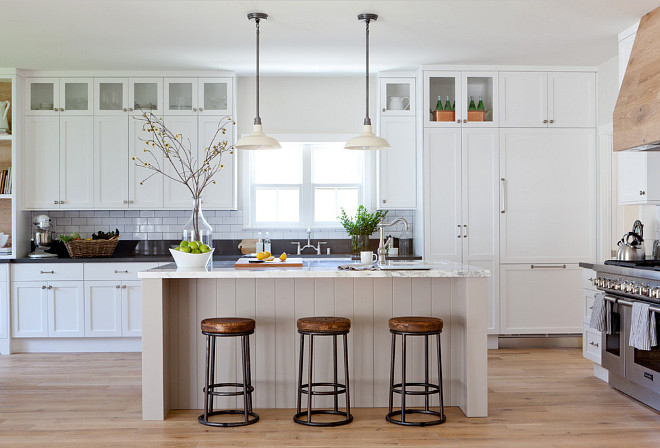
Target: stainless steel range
[[632, 371]]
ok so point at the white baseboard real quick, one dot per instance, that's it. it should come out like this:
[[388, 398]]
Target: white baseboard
[[601, 373], [493, 342], [72, 345], [4, 346]]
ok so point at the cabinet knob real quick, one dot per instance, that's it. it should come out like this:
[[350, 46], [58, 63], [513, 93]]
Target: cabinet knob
[[383, 109], [123, 286], [458, 121], [130, 109], [61, 202], [61, 109], [117, 286], [43, 286], [545, 121], [552, 121], [384, 201], [55, 110], [130, 201], [56, 202], [201, 109], [50, 287], [642, 193], [125, 110], [125, 201], [194, 109], [465, 120]]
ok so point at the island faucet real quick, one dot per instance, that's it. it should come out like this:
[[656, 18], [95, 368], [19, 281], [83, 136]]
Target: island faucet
[[317, 248], [382, 247]]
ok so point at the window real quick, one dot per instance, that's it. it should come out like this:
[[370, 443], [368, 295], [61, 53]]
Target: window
[[305, 185]]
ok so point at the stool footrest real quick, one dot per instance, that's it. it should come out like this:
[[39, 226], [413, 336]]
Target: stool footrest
[[237, 393], [341, 389], [434, 389], [441, 417], [254, 418], [301, 417]]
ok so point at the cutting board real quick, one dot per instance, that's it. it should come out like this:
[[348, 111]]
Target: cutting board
[[244, 263]]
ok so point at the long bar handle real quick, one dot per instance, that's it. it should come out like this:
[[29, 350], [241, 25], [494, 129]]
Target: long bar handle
[[465, 231], [628, 303], [47, 272], [459, 231], [503, 192], [548, 266]]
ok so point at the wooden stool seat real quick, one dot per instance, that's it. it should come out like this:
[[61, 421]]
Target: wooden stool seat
[[324, 324], [416, 324], [228, 325]]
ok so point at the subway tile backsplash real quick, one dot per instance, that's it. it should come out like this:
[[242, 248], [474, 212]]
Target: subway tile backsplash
[[167, 224]]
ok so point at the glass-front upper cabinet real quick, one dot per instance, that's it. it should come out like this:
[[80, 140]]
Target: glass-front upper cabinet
[[442, 99], [479, 98], [110, 96], [76, 96], [460, 99], [215, 96], [397, 96], [180, 96], [145, 95]]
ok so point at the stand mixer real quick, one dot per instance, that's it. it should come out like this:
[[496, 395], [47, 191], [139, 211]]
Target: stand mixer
[[42, 237]]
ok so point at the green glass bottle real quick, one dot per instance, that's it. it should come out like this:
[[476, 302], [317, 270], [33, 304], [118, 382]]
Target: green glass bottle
[[447, 104], [453, 105], [472, 106], [438, 105], [480, 106]]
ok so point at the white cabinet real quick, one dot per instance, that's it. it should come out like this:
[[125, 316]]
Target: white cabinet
[[4, 310], [47, 309], [591, 339], [397, 184], [540, 299], [111, 161], [149, 194], [397, 96], [177, 195], [548, 189], [198, 96], [131, 308], [103, 308], [541, 99], [145, 95], [221, 194], [111, 96], [460, 88], [58, 96], [461, 168], [639, 182], [58, 168]]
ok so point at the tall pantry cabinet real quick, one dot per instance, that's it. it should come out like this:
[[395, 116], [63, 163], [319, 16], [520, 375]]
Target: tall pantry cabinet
[[516, 192]]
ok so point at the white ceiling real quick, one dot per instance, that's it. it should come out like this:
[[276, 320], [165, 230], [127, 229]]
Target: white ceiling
[[312, 36]]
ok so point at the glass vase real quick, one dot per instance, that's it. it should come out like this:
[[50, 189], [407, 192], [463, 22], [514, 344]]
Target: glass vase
[[359, 243], [197, 229]]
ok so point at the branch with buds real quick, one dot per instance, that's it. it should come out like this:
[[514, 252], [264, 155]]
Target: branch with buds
[[185, 167]]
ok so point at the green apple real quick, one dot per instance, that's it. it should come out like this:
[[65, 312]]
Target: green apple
[[204, 248], [185, 249], [196, 251], [176, 248], [183, 243], [193, 245]]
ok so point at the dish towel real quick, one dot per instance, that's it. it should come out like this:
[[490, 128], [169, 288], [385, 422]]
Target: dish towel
[[358, 267], [601, 314], [642, 327]]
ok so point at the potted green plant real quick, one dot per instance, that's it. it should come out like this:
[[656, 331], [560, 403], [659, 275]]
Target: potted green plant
[[361, 226]]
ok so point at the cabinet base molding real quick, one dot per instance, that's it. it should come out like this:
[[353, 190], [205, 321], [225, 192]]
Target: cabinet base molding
[[4, 346], [493, 342], [540, 341], [601, 373], [71, 345]]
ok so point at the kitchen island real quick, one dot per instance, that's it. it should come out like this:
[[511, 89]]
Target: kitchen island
[[175, 301]]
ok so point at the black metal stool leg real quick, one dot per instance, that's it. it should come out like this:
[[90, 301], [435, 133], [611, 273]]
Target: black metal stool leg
[[348, 387], [206, 387], [249, 371], [245, 381], [334, 364], [211, 397], [309, 378], [442, 407], [393, 351], [403, 380], [426, 371], [300, 372]]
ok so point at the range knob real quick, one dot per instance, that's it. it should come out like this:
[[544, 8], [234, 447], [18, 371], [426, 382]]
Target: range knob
[[654, 293]]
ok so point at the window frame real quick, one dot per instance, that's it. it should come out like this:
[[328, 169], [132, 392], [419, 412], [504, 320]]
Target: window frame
[[306, 193]]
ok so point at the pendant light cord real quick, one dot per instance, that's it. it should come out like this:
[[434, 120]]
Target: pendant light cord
[[257, 118], [367, 120]]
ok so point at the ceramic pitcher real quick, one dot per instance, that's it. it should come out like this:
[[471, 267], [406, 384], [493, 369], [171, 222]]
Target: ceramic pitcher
[[4, 110]]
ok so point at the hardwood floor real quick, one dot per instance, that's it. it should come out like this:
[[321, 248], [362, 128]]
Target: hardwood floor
[[538, 398]]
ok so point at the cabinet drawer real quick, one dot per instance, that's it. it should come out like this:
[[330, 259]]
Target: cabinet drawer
[[115, 271], [586, 275], [588, 302], [47, 271], [591, 341]]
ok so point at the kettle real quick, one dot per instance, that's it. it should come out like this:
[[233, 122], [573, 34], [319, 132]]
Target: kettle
[[631, 246], [4, 110]]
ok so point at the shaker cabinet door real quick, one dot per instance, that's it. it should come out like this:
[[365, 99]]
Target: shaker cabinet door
[[41, 171], [66, 305], [571, 99], [102, 308], [76, 162], [111, 162], [220, 195], [397, 166], [523, 99], [29, 309]]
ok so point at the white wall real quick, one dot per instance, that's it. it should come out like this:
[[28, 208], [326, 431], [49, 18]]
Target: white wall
[[305, 104], [608, 89]]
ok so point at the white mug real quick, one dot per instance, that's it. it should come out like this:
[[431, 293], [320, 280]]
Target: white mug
[[399, 103], [368, 257]]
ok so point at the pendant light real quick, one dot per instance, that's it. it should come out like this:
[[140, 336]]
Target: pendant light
[[367, 139], [257, 139]]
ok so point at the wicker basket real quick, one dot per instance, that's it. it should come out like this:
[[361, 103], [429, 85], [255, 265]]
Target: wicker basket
[[91, 248]]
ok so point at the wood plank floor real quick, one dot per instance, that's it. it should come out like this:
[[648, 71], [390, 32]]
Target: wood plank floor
[[538, 398]]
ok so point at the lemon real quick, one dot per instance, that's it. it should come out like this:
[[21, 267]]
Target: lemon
[[271, 258], [261, 256], [268, 254], [283, 256]]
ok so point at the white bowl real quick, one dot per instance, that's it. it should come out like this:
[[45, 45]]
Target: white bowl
[[3, 239], [186, 260]]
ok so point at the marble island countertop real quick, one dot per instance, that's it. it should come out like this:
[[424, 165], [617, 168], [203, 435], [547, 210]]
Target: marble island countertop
[[315, 268]]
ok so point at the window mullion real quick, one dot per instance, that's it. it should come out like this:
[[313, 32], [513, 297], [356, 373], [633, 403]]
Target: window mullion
[[307, 203]]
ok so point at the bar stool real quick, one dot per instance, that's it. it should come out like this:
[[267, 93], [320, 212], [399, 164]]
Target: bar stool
[[323, 326], [228, 327], [415, 326]]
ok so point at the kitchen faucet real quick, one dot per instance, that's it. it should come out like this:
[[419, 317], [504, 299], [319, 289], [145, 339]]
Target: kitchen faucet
[[382, 247], [309, 244]]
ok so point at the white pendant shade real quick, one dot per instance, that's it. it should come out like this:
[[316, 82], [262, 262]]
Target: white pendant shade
[[367, 140], [257, 140]]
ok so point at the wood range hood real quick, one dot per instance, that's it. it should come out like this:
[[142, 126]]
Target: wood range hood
[[637, 112]]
